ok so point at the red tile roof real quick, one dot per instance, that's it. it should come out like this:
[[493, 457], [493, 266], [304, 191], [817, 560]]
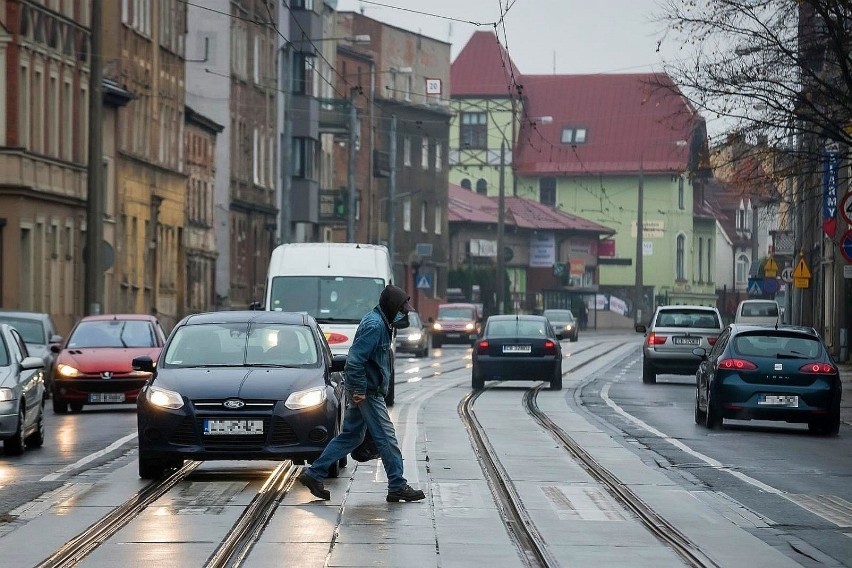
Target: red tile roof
[[468, 206], [629, 118], [482, 68]]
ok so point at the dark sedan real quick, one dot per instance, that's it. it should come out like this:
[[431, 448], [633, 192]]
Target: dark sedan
[[766, 373], [519, 347], [239, 386]]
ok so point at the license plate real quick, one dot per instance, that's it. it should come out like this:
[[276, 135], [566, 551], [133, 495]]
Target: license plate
[[791, 401], [232, 427], [106, 397], [687, 340], [454, 335], [517, 349]]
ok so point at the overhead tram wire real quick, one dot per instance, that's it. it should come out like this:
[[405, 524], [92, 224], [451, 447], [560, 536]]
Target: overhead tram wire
[[460, 20]]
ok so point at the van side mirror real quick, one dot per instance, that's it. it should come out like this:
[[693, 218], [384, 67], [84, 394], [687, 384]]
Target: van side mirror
[[338, 363]]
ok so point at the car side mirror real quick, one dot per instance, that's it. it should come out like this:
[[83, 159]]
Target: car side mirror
[[256, 306], [338, 363], [431, 319], [700, 352], [30, 363], [55, 347], [143, 363], [55, 338], [641, 328]]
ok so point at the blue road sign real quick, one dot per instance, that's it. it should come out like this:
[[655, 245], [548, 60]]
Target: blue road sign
[[770, 285], [754, 288], [424, 281], [846, 245]]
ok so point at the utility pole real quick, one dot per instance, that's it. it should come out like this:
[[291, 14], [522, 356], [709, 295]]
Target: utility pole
[[392, 196], [94, 289], [350, 177], [638, 292], [286, 149], [501, 222]]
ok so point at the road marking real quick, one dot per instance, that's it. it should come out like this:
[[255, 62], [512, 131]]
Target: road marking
[[91, 457]]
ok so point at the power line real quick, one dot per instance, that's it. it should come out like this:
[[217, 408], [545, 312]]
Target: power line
[[441, 16]]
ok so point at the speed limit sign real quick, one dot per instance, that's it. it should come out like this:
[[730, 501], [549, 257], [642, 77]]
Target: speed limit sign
[[787, 274], [846, 207]]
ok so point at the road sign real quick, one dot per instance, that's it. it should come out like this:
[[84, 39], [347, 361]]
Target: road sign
[[787, 274], [846, 245], [424, 281], [770, 268], [802, 270], [754, 288], [770, 285], [846, 207], [753, 269], [847, 271], [801, 282]]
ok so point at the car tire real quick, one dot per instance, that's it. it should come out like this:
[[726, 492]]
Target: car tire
[[712, 417], [36, 439], [76, 407], [700, 415], [828, 426], [150, 468], [15, 445], [59, 405], [649, 376], [556, 381], [477, 382]]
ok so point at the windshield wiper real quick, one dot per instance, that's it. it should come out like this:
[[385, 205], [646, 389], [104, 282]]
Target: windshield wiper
[[344, 320], [278, 365]]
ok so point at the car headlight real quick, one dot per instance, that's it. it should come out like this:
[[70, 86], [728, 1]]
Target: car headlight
[[415, 336], [569, 327], [6, 395], [164, 398], [469, 326], [437, 326], [305, 398], [67, 370]]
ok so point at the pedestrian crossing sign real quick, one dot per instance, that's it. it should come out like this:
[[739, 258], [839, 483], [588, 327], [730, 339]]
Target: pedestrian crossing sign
[[424, 282], [754, 288]]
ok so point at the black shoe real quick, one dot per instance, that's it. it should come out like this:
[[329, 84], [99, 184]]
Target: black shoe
[[406, 493], [314, 486]]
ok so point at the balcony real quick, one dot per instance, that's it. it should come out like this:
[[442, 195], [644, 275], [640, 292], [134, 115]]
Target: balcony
[[334, 116]]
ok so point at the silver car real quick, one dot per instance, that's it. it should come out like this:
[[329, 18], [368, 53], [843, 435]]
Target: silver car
[[674, 332], [22, 394], [39, 334], [564, 323]]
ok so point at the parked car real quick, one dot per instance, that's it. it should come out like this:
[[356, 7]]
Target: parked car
[[40, 336], [673, 334], [760, 312], [564, 324], [519, 347], [456, 323], [768, 373], [414, 338], [22, 394], [240, 386], [94, 366]]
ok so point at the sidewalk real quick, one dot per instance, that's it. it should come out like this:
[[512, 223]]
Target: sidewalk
[[846, 401]]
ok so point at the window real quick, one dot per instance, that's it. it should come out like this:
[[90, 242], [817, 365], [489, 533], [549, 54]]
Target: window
[[255, 157], [700, 259], [680, 193], [709, 260], [465, 183], [304, 158], [67, 121], [38, 111], [423, 207], [53, 116], [406, 151], [424, 153], [681, 258], [547, 191], [742, 269], [438, 157], [256, 60], [24, 108], [438, 219], [473, 131], [406, 214], [302, 4], [482, 186], [573, 135]]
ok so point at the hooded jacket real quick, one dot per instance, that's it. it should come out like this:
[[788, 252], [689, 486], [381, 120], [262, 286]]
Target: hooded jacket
[[370, 360]]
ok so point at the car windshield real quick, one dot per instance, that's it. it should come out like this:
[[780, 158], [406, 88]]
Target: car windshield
[[760, 309], [517, 328], [777, 345], [559, 315], [31, 330], [113, 333], [456, 313], [688, 318], [343, 299], [242, 344]]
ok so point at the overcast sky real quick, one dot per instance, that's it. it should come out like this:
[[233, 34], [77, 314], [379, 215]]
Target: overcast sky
[[584, 36]]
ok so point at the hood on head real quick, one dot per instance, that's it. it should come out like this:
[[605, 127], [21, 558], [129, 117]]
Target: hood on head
[[392, 300]]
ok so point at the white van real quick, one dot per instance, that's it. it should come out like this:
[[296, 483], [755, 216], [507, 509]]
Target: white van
[[758, 312], [336, 283]]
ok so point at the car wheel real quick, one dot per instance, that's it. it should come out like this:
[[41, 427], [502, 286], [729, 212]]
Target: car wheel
[[477, 381], [649, 376], [59, 405], [36, 439], [150, 468], [700, 415], [828, 426], [556, 381], [712, 418], [76, 406], [14, 446]]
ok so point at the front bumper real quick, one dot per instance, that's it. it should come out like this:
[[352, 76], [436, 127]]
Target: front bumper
[[455, 336], [79, 389], [516, 368], [405, 346], [8, 419]]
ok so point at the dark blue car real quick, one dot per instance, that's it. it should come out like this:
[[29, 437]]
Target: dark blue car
[[768, 373], [239, 386]]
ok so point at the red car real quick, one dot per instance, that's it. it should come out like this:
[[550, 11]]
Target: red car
[[95, 364]]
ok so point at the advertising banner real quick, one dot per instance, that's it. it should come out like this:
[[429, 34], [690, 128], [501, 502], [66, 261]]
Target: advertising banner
[[831, 167], [542, 250]]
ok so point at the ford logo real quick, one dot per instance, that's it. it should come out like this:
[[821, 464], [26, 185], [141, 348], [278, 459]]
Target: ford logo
[[233, 403]]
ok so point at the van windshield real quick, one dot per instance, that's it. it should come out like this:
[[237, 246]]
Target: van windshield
[[462, 313], [340, 299]]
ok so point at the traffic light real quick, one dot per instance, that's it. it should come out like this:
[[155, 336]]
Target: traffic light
[[340, 206]]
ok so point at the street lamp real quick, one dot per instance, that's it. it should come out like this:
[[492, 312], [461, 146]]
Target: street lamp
[[639, 293]]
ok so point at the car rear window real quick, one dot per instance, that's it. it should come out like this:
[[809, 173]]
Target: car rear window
[[31, 330], [688, 318], [456, 313], [772, 344], [760, 309], [517, 328]]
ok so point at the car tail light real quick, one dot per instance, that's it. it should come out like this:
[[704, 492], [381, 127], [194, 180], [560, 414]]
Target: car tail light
[[482, 347], [654, 339], [818, 369], [737, 364], [549, 347], [712, 340]]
